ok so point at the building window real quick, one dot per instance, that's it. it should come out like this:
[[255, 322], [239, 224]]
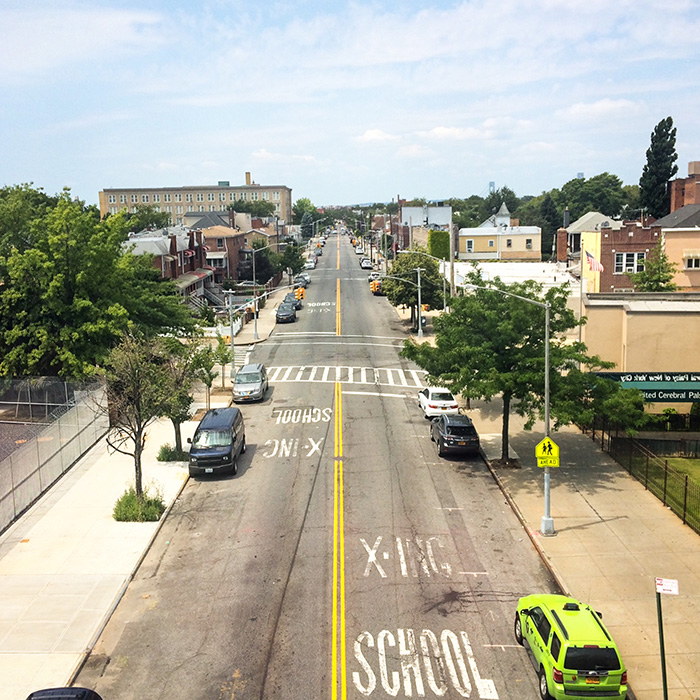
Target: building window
[[113, 210], [266, 195], [212, 207], [276, 196], [220, 243], [200, 196], [692, 263], [509, 242], [222, 196], [528, 243], [244, 196], [156, 208], [122, 199], [178, 197], [210, 196], [200, 207], [222, 207], [629, 262], [188, 197], [470, 246], [492, 243], [156, 198], [145, 198], [254, 196], [179, 210], [112, 199], [134, 199], [167, 198]]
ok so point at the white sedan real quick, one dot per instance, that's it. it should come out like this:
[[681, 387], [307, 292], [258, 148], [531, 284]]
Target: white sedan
[[436, 401]]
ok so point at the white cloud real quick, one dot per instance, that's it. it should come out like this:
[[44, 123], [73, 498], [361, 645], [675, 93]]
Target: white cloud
[[376, 135], [593, 112]]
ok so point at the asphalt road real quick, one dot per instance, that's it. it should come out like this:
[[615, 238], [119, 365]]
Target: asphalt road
[[345, 559]]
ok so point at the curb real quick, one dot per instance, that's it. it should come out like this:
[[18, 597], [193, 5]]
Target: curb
[[120, 594]]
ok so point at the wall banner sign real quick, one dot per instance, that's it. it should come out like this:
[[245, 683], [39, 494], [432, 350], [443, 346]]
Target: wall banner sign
[[660, 386]]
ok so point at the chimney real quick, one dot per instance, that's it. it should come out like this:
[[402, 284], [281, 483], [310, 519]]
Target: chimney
[[562, 235], [247, 178]]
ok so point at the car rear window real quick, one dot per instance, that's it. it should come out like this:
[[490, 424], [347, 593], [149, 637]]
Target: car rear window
[[444, 396], [461, 430], [248, 378], [591, 659]]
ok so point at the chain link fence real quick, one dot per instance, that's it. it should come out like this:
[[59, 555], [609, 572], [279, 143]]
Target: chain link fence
[[46, 425]]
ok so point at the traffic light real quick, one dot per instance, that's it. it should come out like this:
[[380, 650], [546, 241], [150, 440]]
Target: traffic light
[[373, 286], [298, 292], [303, 292]]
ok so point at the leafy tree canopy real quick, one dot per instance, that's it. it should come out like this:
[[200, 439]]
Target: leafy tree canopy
[[261, 208], [146, 217], [303, 206], [68, 296], [659, 169], [493, 343], [658, 273], [401, 287]]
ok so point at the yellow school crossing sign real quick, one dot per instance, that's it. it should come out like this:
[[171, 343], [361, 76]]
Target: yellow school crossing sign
[[547, 453]]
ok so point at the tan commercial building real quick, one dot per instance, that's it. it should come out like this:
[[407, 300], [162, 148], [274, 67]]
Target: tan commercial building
[[177, 201]]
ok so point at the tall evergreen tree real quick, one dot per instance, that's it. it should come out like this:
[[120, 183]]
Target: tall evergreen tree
[[659, 169]]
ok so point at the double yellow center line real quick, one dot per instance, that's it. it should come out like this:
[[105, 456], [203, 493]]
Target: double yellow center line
[[338, 673]]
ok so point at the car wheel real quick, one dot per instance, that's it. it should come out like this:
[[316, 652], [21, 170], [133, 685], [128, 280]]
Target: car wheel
[[243, 446], [440, 448], [518, 629], [234, 467], [544, 690], [432, 437]]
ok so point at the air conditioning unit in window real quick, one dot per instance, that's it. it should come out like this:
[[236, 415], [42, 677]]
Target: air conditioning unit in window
[[629, 269]]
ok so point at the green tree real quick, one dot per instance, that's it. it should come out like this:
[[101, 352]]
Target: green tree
[[136, 380], [401, 286], [260, 208], [439, 244], [293, 258], [203, 361], [303, 206], [267, 262], [70, 294], [146, 217], [658, 273], [222, 356], [307, 228], [492, 343], [659, 169], [179, 375], [601, 193], [550, 221], [493, 201]]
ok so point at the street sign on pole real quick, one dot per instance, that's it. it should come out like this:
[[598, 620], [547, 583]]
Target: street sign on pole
[[667, 586], [547, 453]]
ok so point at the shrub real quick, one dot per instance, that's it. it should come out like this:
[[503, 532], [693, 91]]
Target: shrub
[[168, 453], [140, 509]]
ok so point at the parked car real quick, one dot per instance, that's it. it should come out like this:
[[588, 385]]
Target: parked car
[[250, 383], [310, 264], [290, 298], [435, 401], [573, 653], [217, 442], [299, 282], [454, 434], [306, 276], [366, 264], [64, 694], [359, 250], [285, 313], [374, 276]]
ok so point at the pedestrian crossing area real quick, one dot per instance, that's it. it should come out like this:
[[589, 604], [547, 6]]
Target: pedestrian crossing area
[[364, 376]]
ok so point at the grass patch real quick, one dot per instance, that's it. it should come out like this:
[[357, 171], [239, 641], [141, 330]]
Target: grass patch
[[688, 466], [146, 508], [168, 453]]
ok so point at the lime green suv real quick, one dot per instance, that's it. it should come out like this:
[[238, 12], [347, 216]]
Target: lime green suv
[[573, 653]]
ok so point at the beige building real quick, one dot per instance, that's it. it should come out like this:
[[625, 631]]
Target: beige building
[[177, 201], [498, 239], [682, 246]]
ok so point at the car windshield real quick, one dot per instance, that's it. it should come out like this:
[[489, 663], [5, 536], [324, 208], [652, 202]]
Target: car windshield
[[212, 438], [286, 307], [461, 430], [591, 659], [441, 396], [248, 378]]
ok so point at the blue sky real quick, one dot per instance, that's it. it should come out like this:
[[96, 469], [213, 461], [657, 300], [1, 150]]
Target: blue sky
[[344, 102]]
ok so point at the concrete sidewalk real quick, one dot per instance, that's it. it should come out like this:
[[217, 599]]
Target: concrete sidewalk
[[612, 539]]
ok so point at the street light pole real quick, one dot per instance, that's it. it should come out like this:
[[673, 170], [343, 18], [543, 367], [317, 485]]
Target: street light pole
[[444, 280], [547, 523], [420, 324]]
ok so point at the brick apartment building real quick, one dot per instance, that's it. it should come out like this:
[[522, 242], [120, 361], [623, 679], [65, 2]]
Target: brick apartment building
[[177, 201], [686, 190]]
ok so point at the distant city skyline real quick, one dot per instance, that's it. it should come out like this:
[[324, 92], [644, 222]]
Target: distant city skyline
[[344, 102]]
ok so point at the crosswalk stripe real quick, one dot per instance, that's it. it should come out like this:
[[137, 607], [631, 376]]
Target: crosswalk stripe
[[324, 374]]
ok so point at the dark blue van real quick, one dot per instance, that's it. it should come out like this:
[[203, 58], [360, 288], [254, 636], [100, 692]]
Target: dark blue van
[[217, 442]]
